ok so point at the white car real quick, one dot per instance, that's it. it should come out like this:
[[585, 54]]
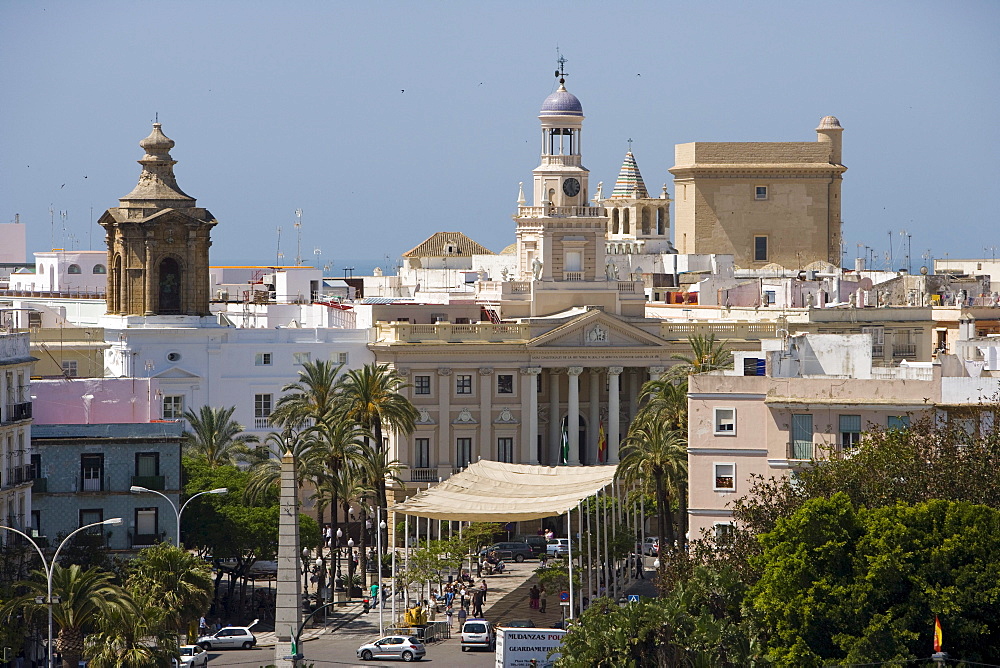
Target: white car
[[557, 547], [651, 547], [230, 637], [192, 656]]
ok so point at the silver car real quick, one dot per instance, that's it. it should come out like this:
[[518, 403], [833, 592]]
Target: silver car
[[230, 637], [406, 648], [192, 656]]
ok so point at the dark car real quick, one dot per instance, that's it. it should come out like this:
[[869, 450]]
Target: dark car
[[513, 551], [536, 543]]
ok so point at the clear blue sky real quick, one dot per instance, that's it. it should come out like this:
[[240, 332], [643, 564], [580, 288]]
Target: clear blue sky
[[387, 121]]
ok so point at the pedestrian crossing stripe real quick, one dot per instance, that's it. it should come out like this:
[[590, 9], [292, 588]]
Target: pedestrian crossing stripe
[[633, 598]]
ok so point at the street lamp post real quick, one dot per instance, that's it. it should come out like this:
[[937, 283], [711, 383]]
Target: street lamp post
[[340, 577], [378, 569], [350, 566], [48, 568], [136, 489]]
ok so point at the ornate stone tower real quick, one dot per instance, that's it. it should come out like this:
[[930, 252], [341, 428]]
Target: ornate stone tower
[[158, 241], [560, 237], [637, 223]]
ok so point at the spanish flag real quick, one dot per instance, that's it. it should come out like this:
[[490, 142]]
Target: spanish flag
[[938, 635], [602, 445]]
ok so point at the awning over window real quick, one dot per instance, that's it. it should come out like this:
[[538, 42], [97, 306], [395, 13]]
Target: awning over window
[[490, 491]]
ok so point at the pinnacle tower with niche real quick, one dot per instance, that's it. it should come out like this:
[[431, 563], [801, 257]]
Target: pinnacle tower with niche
[[158, 241]]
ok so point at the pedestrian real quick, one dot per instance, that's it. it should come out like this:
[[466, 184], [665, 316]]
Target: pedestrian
[[640, 567], [450, 612], [542, 599], [202, 626], [533, 597], [483, 588], [463, 614], [374, 593], [477, 604]]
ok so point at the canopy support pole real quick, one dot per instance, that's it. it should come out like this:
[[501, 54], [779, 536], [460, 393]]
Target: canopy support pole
[[590, 555], [569, 554], [579, 522]]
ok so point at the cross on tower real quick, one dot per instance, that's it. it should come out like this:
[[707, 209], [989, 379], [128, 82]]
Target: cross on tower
[[561, 70], [629, 144]]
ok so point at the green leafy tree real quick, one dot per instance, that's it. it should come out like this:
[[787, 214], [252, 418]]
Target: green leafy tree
[[843, 585], [215, 436], [85, 596], [138, 637], [178, 581]]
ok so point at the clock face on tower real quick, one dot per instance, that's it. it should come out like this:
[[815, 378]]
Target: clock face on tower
[[571, 187]]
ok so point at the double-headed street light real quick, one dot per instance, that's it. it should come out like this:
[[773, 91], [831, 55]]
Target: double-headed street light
[[136, 489], [49, 566]]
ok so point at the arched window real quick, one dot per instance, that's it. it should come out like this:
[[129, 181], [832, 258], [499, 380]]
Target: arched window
[[614, 221], [73, 269], [100, 269], [645, 220], [625, 221], [660, 220]]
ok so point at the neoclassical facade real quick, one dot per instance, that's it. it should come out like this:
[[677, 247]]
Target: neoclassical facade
[[158, 241]]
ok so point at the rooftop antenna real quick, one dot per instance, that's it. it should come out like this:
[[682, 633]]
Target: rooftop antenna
[[52, 227], [561, 70], [298, 234], [278, 254], [317, 252]]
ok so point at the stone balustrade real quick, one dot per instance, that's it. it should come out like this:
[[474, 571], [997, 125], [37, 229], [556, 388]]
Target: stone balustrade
[[483, 332]]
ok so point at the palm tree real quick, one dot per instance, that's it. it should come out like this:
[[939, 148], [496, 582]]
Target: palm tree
[[141, 637], [707, 354], [313, 398], [666, 399], [373, 401], [179, 582], [653, 451], [215, 436], [84, 597]]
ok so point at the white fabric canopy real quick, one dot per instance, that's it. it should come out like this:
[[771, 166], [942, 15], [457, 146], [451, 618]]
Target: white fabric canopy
[[496, 492]]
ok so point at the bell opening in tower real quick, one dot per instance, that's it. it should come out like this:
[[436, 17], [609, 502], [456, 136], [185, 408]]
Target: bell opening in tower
[[562, 141], [170, 287]]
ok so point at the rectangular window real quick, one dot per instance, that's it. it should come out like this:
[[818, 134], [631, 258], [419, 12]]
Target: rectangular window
[[301, 358], [146, 522], [421, 384], [463, 384], [463, 453], [760, 192], [173, 406], [262, 405], [760, 249], [802, 436], [36, 466], [850, 432], [69, 368], [898, 422], [92, 473], [725, 477], [725, 421], [723, 532], [147, 463], [262, 359], [36, 523], [422, 453], [505, 450], [754, 366], [769, 296], [91, 515], [505, 383], [574, 261], [341, 358]]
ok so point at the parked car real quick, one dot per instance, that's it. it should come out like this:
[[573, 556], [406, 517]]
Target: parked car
[[192, 656], [478, 633], [406, 648], [536, 543], [230, 637], [557, 547], [651, 546], [513, 551], [518, 624]]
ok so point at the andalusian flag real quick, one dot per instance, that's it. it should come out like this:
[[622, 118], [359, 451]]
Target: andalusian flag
[[602, 445], [564, 451], [938, 634]]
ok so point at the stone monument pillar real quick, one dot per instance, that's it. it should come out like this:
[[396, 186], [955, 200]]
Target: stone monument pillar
[[288, 604]]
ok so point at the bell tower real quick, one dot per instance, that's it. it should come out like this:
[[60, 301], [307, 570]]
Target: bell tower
[[158, 241], [560, 237]]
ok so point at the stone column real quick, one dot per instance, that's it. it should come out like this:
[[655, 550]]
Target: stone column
[[487, 448], [554, 417], [614, 374], [288, 601], [147, 277], [573, 416], [529, 387], [656, 372], [594, 428], [446, 453]]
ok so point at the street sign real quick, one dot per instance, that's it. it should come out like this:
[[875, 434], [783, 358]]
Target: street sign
[[633, 598], [564, 596]]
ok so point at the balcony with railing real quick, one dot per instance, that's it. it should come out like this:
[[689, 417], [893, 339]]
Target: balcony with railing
[[723, 330], [157, 482], [557, 211], [19, 475], [572, 275], [92, 480], [484, 332], [904, 350], [423, 475], [801, 449], [40, 486], [16, 412], [262, 423]]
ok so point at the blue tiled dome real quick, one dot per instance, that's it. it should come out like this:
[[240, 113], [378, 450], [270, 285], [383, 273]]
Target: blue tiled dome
[[561, 103]]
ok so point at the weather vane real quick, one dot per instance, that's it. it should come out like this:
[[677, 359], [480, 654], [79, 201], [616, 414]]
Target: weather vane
[[561, 70]]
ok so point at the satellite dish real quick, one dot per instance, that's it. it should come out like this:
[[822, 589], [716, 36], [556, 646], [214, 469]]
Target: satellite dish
[[865, 283], [923, 271]]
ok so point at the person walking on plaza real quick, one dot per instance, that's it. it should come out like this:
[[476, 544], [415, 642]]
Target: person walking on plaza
[[463, 614], [477, 604], [542, 599], [533, 597]]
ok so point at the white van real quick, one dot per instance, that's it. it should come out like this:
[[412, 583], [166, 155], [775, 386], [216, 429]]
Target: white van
[[478, 633]]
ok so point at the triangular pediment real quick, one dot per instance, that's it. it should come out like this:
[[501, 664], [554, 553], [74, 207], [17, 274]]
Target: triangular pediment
[[596, 329], [176, 373]]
